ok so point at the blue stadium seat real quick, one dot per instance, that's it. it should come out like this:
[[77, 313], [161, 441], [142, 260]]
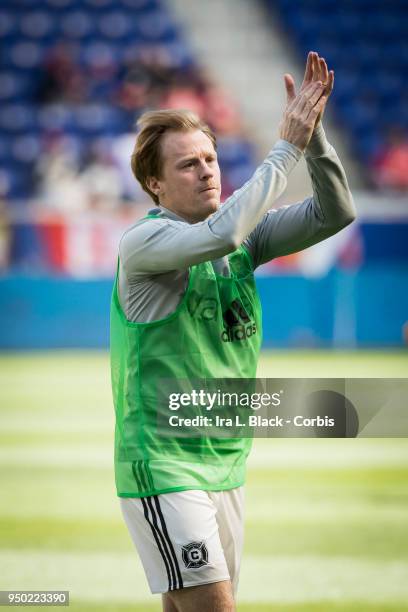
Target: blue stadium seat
[[359, 114], [368, 55], [8, 25], [14, 87], [77, 24], [17, 118], [5, 144], [179, 54], [102, 36], [140, 5], [15, 181], [239, 174], [100, 4], [56, 118], [23, 55], [365, 42], [98, 51], [233, 151], [61, 5], [366, 145], [26, 149], [156, 26], [116, 26], [38, 25], [100, 119]]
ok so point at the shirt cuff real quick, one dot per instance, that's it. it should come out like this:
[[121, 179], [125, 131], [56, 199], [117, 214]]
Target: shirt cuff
[[289, 147], [318, 145], [284, 156]]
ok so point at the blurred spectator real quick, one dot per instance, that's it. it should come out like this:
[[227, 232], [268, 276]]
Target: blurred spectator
[[101, 72], [61, 78], [147, 76], [57, 174], [221, 111], [81, 82], [122, 148], [185, 89], [184, 96], [390, 165], [101, 180], [134, 90]]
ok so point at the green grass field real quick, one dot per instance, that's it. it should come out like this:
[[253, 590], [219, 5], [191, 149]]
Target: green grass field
[[327, 520]]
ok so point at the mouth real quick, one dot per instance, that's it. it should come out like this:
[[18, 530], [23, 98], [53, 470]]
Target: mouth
[[208, 189]]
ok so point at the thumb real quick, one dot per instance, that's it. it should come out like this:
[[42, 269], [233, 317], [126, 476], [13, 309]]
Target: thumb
[[290, 87]]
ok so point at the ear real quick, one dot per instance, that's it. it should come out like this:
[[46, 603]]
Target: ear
[[153, 184]]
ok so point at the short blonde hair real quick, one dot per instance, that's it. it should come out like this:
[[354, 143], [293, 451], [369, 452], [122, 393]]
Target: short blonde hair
[[146, 159]]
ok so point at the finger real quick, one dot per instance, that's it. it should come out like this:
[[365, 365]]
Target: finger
[[310, 98], [297, 102], [318, 108], [327, 91], [313, 76], [316, 67], [324, 73], [309, 102], [328, 86], [330, 83], [308, 70], [290, 87], [317, 70]]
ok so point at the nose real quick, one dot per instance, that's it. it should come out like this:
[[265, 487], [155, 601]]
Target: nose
[[206, 171]]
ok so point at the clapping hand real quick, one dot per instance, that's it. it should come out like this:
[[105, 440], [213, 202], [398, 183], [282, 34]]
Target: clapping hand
[[316, 70]]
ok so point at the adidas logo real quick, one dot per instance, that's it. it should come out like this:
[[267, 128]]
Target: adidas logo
[[239, 325]]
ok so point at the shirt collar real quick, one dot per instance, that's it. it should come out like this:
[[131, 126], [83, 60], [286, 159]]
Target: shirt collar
[[164, 212]]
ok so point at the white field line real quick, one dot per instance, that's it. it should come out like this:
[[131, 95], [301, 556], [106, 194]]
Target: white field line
[[266, 454], [61, 456], [120, 578], [329, 454], [323, 512], [55, 424], [63, 505]]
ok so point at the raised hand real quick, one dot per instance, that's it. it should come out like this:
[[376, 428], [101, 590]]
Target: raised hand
[[316, 70], [300, 116]]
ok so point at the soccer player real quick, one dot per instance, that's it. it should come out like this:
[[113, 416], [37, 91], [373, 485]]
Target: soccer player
[[184, 285]]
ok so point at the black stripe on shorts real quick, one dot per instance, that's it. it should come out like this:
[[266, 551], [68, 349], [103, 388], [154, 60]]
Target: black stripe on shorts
[[166, 535], [162, 540]]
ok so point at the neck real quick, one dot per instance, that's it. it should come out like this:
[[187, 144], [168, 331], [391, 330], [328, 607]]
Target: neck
[[173, 214]]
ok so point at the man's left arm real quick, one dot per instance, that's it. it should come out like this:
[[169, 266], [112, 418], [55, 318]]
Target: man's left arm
[[292, 228]]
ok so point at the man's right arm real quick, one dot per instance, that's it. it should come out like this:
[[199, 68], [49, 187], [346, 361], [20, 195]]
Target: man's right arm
[[174, 245]]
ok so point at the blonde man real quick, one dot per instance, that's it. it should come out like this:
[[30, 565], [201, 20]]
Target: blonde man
[[185, 306]]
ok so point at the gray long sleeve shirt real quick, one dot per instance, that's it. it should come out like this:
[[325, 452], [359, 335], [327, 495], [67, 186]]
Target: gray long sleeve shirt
[[155, 256]]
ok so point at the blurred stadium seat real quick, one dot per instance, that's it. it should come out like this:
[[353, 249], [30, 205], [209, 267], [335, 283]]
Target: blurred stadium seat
[[76, 74], [62, 71], [365, 42]]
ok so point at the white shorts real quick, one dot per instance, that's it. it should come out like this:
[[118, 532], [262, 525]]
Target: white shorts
[[187, 538]]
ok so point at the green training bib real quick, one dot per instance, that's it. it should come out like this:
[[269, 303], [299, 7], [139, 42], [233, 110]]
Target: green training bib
[[215, 332]]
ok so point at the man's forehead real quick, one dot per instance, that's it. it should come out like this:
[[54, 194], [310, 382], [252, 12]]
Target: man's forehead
[[181, 144]]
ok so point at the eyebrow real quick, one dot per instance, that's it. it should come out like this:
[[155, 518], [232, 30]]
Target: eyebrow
[[195, 158]]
